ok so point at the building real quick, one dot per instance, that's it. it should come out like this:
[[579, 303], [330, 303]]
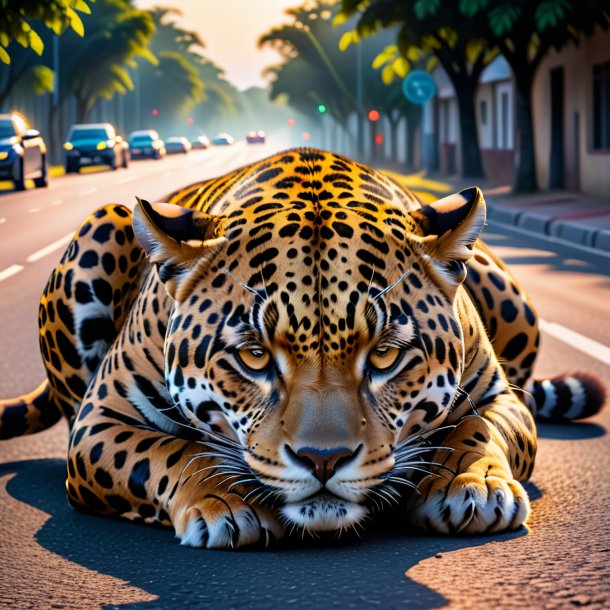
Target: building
[[571, 113], [572, 117]]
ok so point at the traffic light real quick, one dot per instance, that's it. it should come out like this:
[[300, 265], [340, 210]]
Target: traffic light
[[291, 122], [155, 112], [373, 116], [379, 139], [190, 120], [306, 136], [322, 108]]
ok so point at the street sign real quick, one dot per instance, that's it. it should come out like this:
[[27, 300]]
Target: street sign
[[419, 87]]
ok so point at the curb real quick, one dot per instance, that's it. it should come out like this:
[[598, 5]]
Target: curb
[[566, 232]]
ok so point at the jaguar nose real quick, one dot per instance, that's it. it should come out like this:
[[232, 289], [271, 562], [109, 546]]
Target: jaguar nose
[[322, 463]]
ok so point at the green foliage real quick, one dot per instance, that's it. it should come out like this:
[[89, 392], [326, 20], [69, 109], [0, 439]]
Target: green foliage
[[503, 18], [95, 66], [57, 15]]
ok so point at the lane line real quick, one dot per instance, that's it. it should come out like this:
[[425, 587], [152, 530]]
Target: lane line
[[129, 179], [10, 271], [88, 191], [50, 248], [583, 344], [57, 202], [34, 210]]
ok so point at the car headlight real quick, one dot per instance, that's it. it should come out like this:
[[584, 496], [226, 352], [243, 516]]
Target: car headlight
[[3, 155], [156, 144], [102, 146], [68, 146]]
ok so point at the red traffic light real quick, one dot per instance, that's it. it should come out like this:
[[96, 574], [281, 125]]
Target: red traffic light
[[373, 116], [190, 120], [379, 138], [306, 135], [291, 122], [155, 112]]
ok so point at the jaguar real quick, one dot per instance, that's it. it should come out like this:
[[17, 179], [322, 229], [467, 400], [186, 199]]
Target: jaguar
[[296, 346]]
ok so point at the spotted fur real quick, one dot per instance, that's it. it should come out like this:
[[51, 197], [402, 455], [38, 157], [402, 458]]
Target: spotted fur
[[298, 343]]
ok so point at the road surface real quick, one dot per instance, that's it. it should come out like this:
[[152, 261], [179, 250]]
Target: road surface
[[53, 557]]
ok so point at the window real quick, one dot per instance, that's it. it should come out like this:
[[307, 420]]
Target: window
[[601, 106], [483, 111]]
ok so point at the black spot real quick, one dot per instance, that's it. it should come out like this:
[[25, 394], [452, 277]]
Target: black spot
[[89, 259], [515, 346], [96, 452], [90, 499], [119, 459], [137, 480], [120, 504], [103, 478], [508, 310]]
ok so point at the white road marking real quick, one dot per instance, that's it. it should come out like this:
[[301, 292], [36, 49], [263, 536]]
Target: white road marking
[[50, 248], [583, 344], [33, 210], [57, 202], [128, 179], [88, 191], [10, 271]]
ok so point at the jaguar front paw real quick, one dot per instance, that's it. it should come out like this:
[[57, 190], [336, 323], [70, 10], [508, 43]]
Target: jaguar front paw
[[470, 503], [225, 521]]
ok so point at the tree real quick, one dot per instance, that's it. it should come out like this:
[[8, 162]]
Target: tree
[[95, 67], [57, 15], [314, 71], [183, 83], [25, 68], [439, 28], [525, 31]]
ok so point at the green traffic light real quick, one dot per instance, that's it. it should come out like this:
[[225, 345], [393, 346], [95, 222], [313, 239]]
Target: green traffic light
[[322, 108]]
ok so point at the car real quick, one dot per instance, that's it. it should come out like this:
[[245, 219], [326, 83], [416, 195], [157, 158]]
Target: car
[[200, 142], [95, 144], [256, 137], [146, 144], [222, 139], [177, 144], [23, 152]]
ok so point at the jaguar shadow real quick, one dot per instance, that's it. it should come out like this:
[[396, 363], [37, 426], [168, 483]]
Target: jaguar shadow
[[306, 574]]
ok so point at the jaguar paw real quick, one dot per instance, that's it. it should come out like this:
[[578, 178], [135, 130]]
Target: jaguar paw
[[470, 504], [221, 521]]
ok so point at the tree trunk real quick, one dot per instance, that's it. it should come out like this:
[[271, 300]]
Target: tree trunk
[[472, 166], [525, 172]]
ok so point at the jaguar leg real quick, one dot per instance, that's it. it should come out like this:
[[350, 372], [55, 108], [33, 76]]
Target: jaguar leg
[[507, 312], [477, 487], [85, 301]]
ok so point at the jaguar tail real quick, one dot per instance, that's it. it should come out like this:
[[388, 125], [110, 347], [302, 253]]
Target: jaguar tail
[[28, 413], [566, 398]]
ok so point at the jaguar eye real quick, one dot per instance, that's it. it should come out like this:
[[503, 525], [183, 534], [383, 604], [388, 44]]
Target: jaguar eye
[[255, 359], [384, 358]]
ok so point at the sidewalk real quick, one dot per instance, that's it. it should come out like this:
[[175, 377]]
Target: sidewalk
[[572, 219]]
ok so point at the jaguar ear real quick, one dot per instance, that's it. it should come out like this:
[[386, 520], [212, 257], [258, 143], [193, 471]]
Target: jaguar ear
[[176, 238], [452, 225]]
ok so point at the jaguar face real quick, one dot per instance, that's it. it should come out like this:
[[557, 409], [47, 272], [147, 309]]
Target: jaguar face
[[318, 340]]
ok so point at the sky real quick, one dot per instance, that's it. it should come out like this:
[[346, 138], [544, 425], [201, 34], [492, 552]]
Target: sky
[[230, 29]]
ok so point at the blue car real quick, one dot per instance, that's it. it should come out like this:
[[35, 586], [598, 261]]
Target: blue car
[[23, 153], [95, 144]]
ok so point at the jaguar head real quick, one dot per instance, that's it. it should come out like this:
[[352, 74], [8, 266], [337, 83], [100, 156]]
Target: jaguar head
[[315, 340]]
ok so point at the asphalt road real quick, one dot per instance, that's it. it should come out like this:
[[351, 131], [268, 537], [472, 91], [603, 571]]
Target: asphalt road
[[53, 557]]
